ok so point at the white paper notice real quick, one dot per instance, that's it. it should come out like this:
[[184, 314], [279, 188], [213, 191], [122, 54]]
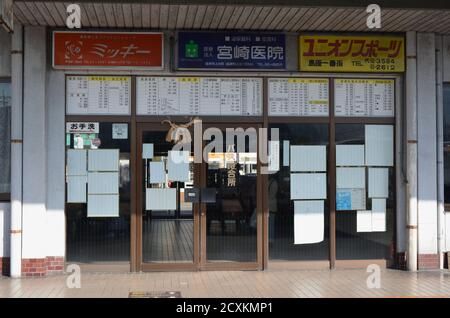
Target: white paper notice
[[178, 166], [309, 158], [103, 205], [76, 162], [378, 182], [147, 151], [379, 145], [98, 95], [364, 221], [103, 160], [217, 96], [120, 131], [350, 178], [379, 215], [157, 172], [160, 199], [76, 189], [274, 156], [308, 222], [286, 153], [308, 186], [298, 97], [103, 183], [349, 155]]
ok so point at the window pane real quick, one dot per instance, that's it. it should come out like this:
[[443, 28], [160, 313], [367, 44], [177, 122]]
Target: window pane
[[5, 137]]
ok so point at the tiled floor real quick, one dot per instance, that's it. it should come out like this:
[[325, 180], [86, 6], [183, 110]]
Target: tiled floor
[[339, 283]]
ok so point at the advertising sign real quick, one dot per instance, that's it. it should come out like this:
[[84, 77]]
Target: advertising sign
[[87, 50], [222, 50], [341, 53]]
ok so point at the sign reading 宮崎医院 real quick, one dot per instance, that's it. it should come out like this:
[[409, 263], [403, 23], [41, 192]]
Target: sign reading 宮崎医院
[[341, 53], [125, 50], [223, 50]]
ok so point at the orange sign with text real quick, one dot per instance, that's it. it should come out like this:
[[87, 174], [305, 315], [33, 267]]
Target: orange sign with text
[[85, 50]]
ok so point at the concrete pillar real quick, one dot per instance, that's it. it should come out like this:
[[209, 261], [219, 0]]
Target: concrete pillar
[[34, 149], [427, 154]]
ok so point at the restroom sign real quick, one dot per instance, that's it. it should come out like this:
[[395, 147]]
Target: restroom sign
[[82, 127]]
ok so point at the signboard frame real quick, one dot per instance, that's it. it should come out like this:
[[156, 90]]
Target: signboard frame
[[109, 67]]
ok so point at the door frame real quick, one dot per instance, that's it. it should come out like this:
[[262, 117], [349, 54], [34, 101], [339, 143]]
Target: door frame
[[260, 199], [137, 230]]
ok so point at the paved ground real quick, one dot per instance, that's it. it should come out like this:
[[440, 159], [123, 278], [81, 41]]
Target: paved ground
[[339, 283]]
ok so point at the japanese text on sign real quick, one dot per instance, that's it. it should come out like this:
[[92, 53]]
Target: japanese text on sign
[[211, 50], [328, 53]]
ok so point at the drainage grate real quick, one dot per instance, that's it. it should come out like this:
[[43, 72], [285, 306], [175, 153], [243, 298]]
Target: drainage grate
[[155, 294]]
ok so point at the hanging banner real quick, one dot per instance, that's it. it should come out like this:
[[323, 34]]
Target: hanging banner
[[222, 50], [341, 53], [87, 50]]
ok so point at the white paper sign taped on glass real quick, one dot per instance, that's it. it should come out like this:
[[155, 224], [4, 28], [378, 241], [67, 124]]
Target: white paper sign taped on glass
[[379, 145], [158, 199], [274, 156], [103, 205], [286, 153], [308, 158], [103, 160], [378, 182], [350, 155], [119, 131], [103, 183], [178, 166], [350, 199], [308, 186], [364, 221], [157, 172], [76, 189], [76, 162], [308, 222], [379, 215], [147, 151], [350, 178]]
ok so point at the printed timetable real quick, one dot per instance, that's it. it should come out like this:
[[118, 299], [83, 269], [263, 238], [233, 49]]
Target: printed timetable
[[199, 96], [364, 98], [298, 97], [98, 95]]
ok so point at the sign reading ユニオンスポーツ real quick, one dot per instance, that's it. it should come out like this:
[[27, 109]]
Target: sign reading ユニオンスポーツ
[[126, 50], [342, 53], [223, 50]]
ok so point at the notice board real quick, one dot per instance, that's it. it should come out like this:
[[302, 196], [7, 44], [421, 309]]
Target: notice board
[[199, 96], [98, 95], [298, 97]]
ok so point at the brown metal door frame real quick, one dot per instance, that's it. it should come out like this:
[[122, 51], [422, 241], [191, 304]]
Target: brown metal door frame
[[258, 265], [137, 230]]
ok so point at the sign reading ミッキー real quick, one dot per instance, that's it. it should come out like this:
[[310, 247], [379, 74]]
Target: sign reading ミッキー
[[126, 50], [223, 50], [342, 53]]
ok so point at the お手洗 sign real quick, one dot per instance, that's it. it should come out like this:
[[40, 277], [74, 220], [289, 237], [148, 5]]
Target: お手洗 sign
[[126, 50], [342, 53]]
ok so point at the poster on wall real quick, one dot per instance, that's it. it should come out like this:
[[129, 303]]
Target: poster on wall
[[98, 95], [364, 97], [126, 50], [298, 97], [348, 53], [199, 96], [231, 50]]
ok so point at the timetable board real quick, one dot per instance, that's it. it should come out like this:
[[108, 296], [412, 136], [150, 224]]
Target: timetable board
[[199, 96], [364, 97], [298, 97], [98, 95]]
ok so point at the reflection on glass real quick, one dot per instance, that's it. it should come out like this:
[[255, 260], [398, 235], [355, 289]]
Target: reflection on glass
[[168, 221], [281, 207], [231, 220]]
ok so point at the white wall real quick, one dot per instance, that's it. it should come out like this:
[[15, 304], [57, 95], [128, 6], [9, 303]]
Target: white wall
[[4, 229], [427, 156]]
